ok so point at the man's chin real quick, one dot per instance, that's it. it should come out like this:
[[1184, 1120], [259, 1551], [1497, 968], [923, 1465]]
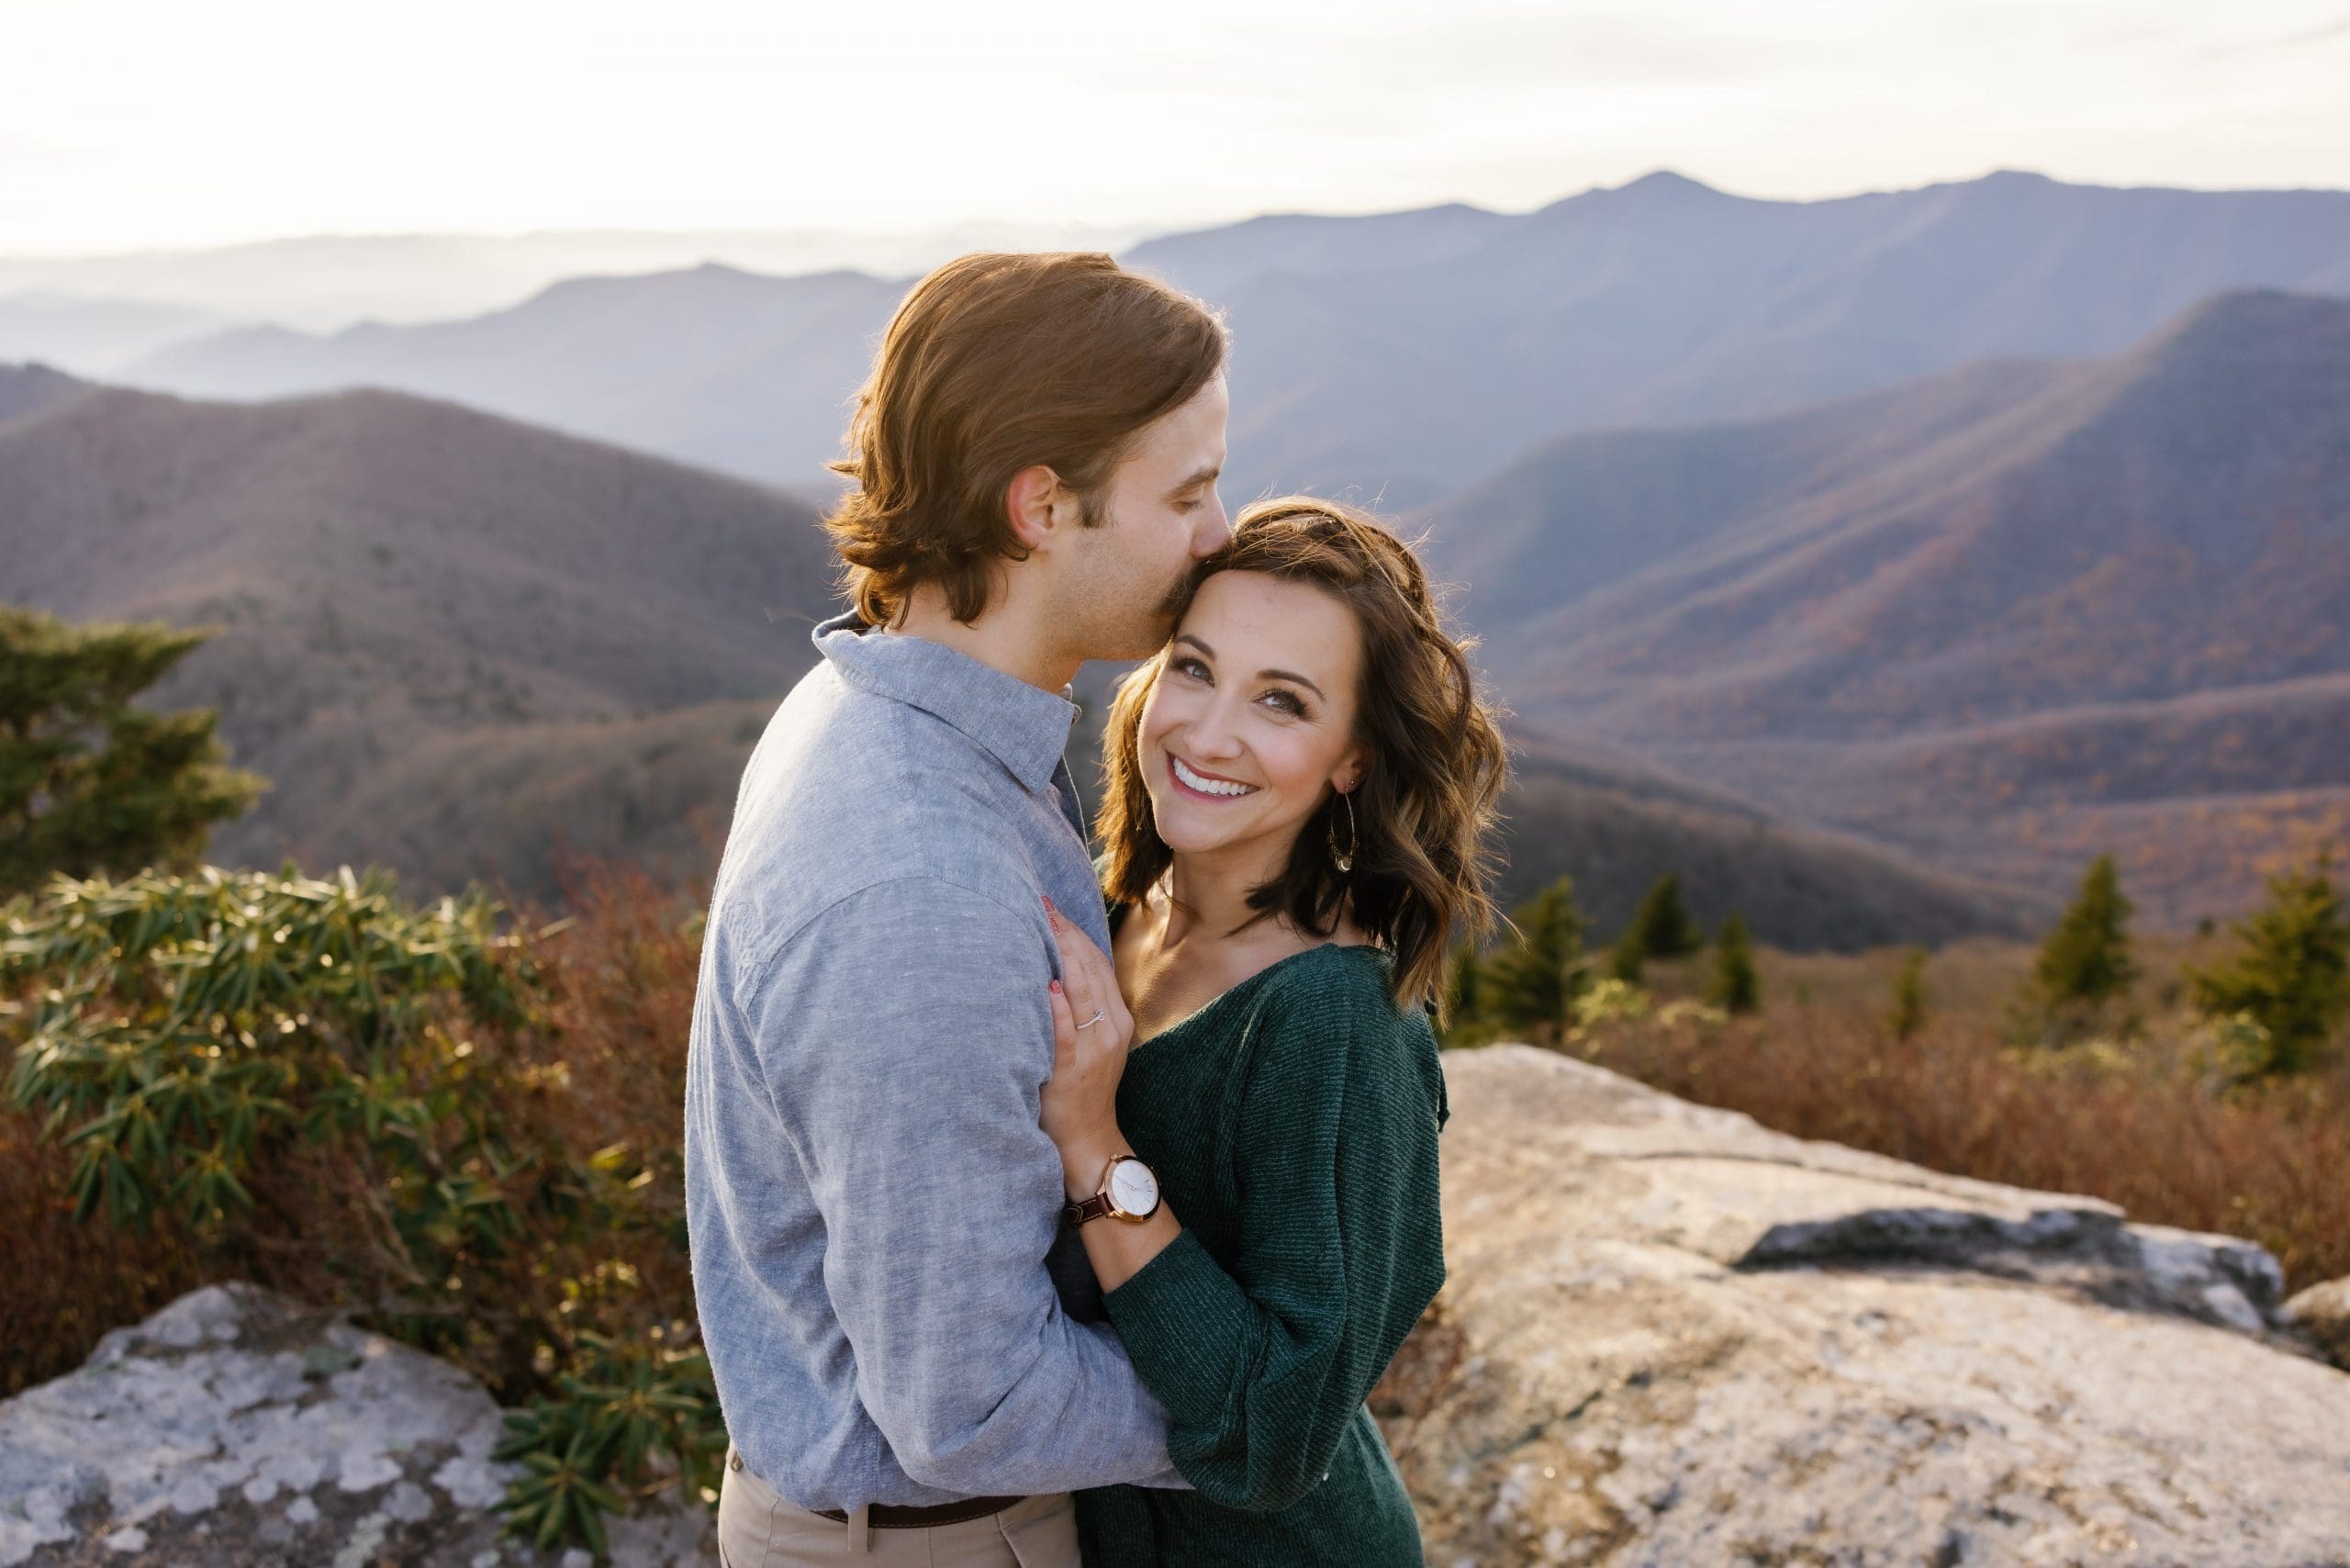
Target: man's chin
[[1145, 640]]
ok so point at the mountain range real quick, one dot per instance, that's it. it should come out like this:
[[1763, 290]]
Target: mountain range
[[323, 282], [440, 634], [458, 645], [96, 336], [713, 367], [1399, 356], [1892, 555], [1978, 615]]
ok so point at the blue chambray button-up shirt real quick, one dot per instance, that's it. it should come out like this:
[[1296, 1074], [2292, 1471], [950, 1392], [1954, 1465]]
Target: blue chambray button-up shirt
[[870, 1200]]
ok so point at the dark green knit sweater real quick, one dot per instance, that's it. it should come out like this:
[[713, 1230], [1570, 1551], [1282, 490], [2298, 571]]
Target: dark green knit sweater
[[1293, 1124]]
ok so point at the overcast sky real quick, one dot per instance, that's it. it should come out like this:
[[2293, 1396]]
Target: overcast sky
[[133, 123]]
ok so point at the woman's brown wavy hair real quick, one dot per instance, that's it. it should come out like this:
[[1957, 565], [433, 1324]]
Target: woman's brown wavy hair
[[1425, 807], [995, 363]]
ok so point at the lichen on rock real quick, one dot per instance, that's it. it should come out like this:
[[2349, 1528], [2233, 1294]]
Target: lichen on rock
[[236, 1427]]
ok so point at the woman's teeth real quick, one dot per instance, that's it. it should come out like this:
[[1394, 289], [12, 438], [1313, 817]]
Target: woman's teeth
[[1192, 780]]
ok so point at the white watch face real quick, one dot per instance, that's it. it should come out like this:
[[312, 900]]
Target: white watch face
[[1133, 1188]]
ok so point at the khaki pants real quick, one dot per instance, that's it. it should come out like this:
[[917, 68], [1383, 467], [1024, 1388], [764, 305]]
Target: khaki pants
[[757, 1529]]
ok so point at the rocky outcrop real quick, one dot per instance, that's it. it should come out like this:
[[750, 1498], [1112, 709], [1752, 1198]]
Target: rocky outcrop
[[1669, 1337], [2322, 1315], [233, 1428], [1672, 1336]]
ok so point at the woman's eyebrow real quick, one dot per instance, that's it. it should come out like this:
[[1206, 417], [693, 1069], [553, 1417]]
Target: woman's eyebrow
[[1288, 675]]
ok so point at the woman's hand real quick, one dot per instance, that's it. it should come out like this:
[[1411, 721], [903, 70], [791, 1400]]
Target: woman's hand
[[1080, 1105]]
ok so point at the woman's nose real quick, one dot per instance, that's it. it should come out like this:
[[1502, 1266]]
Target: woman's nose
[[1214, 735]]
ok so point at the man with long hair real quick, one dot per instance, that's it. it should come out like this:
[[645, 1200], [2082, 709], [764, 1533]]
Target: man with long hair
[[899, 1320]]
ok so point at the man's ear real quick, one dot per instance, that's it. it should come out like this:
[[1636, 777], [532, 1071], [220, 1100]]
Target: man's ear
[[1034, 502]]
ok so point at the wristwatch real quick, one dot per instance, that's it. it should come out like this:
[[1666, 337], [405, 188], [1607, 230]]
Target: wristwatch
[[1129, 1192]]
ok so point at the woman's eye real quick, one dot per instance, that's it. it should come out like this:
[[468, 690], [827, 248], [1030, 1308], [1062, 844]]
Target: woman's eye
[[1191, 667], [1287, 702]]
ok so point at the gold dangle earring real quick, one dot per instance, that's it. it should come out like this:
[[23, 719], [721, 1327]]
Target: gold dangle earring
[[1345, 858]]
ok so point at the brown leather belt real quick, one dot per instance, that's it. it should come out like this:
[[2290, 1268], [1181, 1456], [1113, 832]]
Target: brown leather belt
[[896, 1515]]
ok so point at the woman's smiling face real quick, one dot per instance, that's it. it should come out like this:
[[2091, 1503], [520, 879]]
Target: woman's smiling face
[[1251, 720]]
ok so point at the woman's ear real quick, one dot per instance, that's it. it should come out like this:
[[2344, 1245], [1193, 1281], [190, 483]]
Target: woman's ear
[[1347, 777]]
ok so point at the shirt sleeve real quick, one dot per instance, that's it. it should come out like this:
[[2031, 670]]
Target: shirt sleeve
[[907, 1036], [1263, 1367]]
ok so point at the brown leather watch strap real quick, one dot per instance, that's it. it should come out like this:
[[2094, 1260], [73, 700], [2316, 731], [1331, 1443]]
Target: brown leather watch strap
[[1093, 1207]]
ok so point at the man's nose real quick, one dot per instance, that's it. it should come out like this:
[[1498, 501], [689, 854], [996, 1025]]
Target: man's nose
[[1211, 535]]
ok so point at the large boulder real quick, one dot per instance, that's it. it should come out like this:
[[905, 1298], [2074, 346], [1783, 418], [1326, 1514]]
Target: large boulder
[[1672, 1336], [234, 1427], [2322, 1314]]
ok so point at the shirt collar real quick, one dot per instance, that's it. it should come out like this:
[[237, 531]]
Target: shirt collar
[[1025, 728]]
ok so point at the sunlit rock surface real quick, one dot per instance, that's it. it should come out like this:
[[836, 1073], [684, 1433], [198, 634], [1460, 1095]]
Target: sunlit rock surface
[[1670, 1337], [234, 1427]]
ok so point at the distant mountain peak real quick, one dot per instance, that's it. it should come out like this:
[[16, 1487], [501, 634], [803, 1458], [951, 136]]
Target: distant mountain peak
[[592, 285], [1665, 183], [2263, 327], [2009, 190], [1658, 190], [2258, 309], [722, 269], [34, 371], [27, 388]]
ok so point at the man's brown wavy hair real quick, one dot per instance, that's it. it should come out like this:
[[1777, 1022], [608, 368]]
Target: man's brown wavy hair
[[993, 363], [1424, 810]]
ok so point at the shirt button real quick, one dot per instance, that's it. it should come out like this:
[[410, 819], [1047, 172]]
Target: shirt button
[[734, 1463]]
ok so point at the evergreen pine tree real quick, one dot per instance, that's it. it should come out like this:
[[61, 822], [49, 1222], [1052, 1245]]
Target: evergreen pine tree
[[1909, 996], [1463, 995], [2086, 958], [1529, 983], [1734, 987], [1663, 927], [147, 796], [1659, 928], [2292, 976], [1625, 960]]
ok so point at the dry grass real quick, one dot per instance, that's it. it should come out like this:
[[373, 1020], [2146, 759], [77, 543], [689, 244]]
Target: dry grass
[[620, 1001], [68, 1282], [2137, 1122]]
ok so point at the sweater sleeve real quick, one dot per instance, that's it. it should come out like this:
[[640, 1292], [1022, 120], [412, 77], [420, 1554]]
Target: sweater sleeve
[[1263, 1367]]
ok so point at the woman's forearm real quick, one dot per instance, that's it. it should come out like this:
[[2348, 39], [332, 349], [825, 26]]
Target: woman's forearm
[[1116, 1248]]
